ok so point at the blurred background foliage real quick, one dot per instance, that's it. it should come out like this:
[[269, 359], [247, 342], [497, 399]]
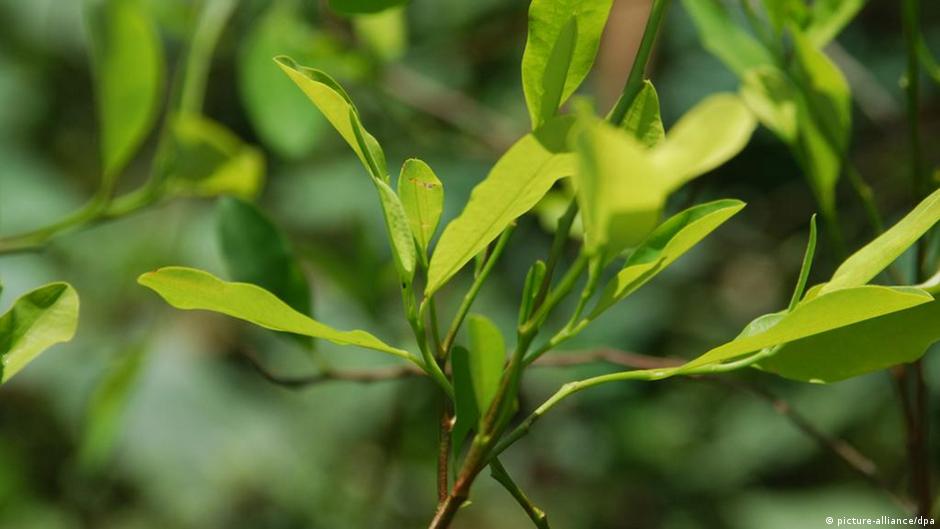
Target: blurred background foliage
[[152, 418]]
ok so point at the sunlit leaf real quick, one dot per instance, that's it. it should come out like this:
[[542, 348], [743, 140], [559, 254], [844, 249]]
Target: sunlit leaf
[[256, 251], [209, 160], [828, 17], [862, 266], [708, 135], [823, 313], [643, 119], [805, 266], [619, 192], [191, 289], [724, 38], [36, 321], [864, 347], [514, 186], [669, 241], [353, 7], [281, 115], [562, 41], [128, 65], [399, 231], [487, 357], [333, 102], [422, 196]]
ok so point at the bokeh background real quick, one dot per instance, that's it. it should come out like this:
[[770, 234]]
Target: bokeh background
[[195, 438]]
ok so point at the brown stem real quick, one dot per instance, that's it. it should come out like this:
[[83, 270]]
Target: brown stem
[[443, 454]]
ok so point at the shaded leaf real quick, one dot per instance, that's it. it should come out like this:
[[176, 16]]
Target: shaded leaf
[[128, 66], [828, 17], [384, 33], [487, 357], [734, 46], [256, 251], [36, 321], [353, 7], [191, 289], [209, 160], [422, 196], [465, 402], [513, 186], [560, 48], [772, 97], [279, 113], [669, 241], [643, 119]]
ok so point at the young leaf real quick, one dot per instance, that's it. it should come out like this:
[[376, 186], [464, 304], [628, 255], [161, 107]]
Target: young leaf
[[355, 7], [562, 41], [862, 266], [209, 160], [513, 186], [668, 242], [128, 63], [487, 357], [399, 231], [336, 106], [191, 289], [533, 280], [706, 136], [861, 348], [422, 196], [619, 192], [828, 17], [643, 120], [806, 266], [726, 40], [820, 314], [280, 114], [465, 403], [257, 252], [37, 321]]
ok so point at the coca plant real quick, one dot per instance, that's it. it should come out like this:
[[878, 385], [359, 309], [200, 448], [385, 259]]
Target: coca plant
[[618, 169]]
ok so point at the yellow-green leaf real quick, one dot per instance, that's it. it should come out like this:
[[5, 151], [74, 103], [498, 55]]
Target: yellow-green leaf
[[772, 97], [37, 321], [487, 357], [560, 48], [514, 186], [191, 289], [399, 231], [724, 38], [643, 118], [422, 196], [828, 17]]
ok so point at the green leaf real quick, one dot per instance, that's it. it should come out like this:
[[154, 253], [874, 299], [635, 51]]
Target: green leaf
[[209, 160], [399, 231], [513, 186], [533, 281], [279, 113], [784, 12], [668, 242], [336, 106], [128, 65], [422, 196], [820, 314], [864, 347], [385, 34], [465, 402], [806, 266], [619, 192], [825, 118], [37, 321], [708, 135], [103, 415], [862, 266], [354, 7], [256, 251], [829, 17], [487, 357], [734, 46], [191, 289], [643, 120], [560, 48], [771, 96]]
